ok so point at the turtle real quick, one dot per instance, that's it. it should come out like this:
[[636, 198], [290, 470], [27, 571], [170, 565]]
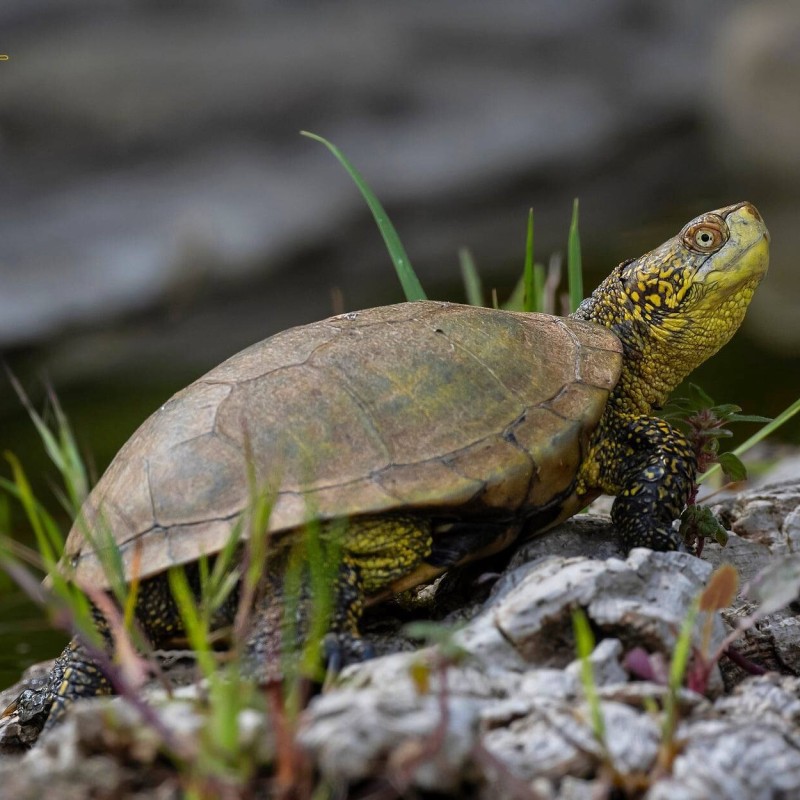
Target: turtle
[[422, 435]]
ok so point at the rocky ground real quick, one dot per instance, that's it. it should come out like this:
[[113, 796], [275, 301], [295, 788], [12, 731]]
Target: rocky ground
[[500, 710]]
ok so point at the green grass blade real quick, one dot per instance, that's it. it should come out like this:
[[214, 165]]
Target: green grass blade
[[473, 286], [677, 670], [531, 301], [584, 642], [758, 436], [194, 623], [48, 536], [324, 560], [74, 473], [516, 299], [411, 286], [60, 446], [574, 267]]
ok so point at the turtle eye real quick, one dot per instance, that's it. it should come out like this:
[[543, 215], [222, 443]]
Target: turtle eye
[[704, 237]]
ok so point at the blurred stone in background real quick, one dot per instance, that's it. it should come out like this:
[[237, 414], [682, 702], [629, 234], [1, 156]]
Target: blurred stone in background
[[159, 211], [756, 124]]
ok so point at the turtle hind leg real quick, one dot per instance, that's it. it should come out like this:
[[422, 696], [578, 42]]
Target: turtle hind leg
[[371, 553], [377, 551]]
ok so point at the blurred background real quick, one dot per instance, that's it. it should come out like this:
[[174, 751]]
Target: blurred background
[[159, 211]]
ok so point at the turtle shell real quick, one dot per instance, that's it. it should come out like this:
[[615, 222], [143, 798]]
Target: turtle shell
[[434, 407]]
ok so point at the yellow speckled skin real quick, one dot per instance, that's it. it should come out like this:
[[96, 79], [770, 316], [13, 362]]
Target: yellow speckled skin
[[672, 309], [437, 431]]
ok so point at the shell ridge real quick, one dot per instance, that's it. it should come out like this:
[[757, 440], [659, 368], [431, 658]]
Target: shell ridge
[[508, 435]]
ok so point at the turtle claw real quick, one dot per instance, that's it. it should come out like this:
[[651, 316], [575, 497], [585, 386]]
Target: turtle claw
[[341, 649], [31, 703]]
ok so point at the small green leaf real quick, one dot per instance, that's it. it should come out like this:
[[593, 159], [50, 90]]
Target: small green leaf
[[748, 418], [584, 643], [516, 300], [677, 671], [724, 410], [732, 467], [698, 522], [699, 398], [717, 433], [758, 436]]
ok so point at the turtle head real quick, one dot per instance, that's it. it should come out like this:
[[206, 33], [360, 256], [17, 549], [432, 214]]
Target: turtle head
[[678, 304]]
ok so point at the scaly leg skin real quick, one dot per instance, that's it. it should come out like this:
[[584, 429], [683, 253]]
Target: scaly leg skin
[[74, 675], [651, 469], [376, 552]]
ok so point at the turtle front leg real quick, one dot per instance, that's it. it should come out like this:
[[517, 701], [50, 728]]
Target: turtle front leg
[[76, 674], [651, 468]]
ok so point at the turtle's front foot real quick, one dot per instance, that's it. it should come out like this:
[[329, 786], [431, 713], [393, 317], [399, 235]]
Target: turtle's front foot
[[649, 532], [341, 648], [32, 704]]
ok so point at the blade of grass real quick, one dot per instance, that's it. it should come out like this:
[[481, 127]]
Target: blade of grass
[[574, 268], [411, 286], [516, 299], [472, 280], [677, 672], [48, 536], [758, 436], [60, 446], [584, 642], [194, 622], [531, 300], [74, 473]]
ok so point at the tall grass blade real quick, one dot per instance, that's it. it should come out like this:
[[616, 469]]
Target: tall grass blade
[[194, 622], [60, 447], [324, 561], [473, 286], [411, 286], [516, 299], [584, 642], [48, 536], [531, 300], [758, 436], [574, 267], [677, 670]]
